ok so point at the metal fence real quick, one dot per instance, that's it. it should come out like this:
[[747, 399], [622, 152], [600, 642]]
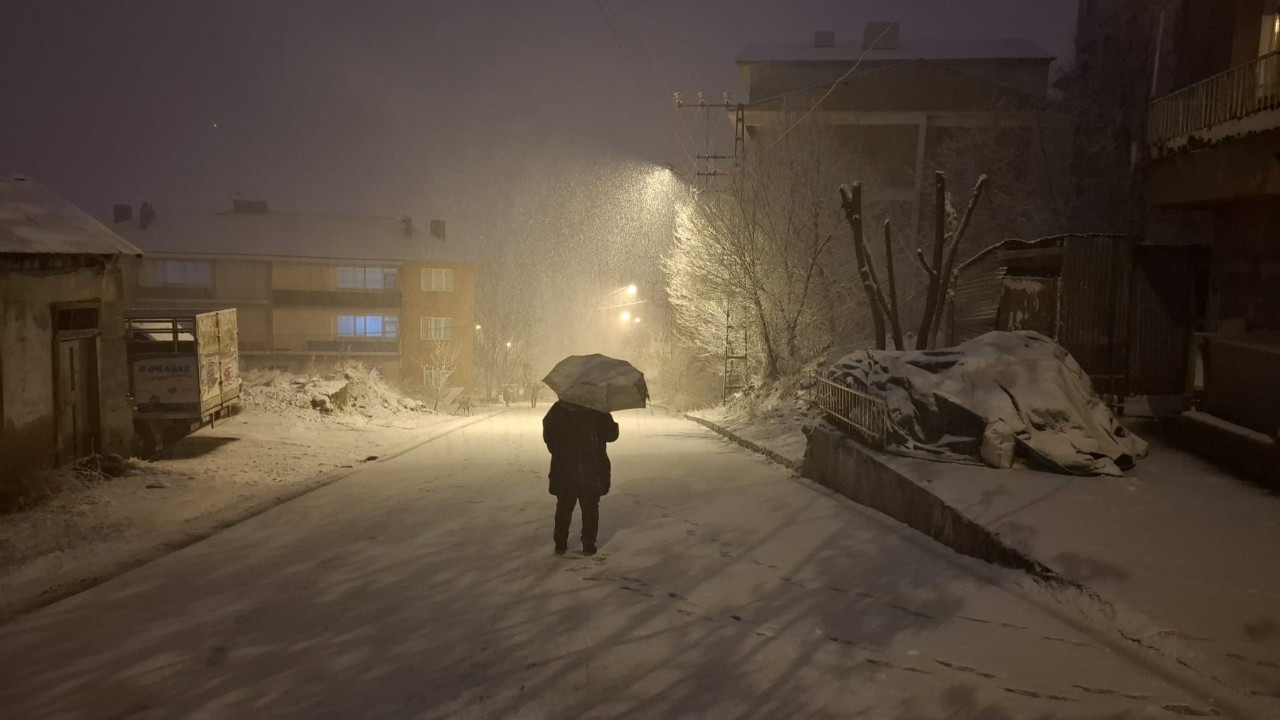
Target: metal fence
[[861, 414], [1232, 95]]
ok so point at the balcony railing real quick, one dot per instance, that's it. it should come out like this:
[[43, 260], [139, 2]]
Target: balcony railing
[[1233, 95], [861, 414]]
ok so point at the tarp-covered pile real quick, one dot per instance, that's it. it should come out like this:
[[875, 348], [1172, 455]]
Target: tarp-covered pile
[[995, 396]]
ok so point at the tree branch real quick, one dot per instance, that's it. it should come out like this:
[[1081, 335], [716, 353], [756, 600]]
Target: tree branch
[[948, 269], [851, 203], [873, 291], [895, 320], [932, 300]]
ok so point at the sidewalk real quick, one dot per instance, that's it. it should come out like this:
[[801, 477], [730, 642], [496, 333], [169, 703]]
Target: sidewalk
[[1190, 547], [1187, 556]]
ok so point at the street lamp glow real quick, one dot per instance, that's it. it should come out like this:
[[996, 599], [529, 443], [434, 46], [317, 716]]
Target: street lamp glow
[[626, 316], [477, 327], [637, 319], [508, 344], [631, 289]]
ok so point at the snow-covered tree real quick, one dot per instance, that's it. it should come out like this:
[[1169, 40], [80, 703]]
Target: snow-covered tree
[[438, 367], [759, 254]]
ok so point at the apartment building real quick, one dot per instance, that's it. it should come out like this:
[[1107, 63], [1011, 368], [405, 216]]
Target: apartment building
[[309, 288], [892, 100], [1193, 87]]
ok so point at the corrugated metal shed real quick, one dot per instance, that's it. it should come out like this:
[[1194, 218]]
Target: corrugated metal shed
[[977, 295], [1124, 310], [1094, 304], [36, 221]]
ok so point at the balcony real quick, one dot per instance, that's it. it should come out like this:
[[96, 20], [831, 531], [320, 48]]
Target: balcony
[[337, 298], [1232, 104]]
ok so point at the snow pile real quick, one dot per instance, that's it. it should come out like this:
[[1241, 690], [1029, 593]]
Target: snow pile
[[773, 420], [350, 389], [991, 398]]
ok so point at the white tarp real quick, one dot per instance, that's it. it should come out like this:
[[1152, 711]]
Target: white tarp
[[986, 400]]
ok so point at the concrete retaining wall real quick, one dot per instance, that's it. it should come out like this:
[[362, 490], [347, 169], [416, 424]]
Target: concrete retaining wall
[[785, 462], [835, 461]]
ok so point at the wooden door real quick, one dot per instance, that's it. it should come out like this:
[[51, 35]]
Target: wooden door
[[76, 397]]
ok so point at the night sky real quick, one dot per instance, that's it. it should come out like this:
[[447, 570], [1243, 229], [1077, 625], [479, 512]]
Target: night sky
[[395, 107]]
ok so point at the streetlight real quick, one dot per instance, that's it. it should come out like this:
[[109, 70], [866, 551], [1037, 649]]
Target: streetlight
[[626, 316], [477, 327], [631, 289]]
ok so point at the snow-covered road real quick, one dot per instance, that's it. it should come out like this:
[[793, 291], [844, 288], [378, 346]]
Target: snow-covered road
[[425, 587]]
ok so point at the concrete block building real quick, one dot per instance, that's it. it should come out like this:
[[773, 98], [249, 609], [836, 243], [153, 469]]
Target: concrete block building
[[64, 376]]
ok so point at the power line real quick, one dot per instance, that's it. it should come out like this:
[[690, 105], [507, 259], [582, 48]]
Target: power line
[[842, 78], [815, 86], [615, 27], [613, 33]]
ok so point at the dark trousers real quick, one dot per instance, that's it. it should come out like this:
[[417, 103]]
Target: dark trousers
[[590, 519]]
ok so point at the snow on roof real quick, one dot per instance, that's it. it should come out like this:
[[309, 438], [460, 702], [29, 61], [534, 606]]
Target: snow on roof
[[36, 221], [283, 234], [909, 49]]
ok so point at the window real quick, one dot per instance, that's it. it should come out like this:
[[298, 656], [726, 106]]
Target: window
[[76, 317], [437, 279], [379, 326], [367, 278], [1269, 40], [176, 273], [437, 328], [1269, 69]]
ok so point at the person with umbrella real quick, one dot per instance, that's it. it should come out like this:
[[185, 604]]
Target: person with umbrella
[[576, 430]]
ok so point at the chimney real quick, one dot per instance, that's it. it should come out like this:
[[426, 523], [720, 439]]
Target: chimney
[[880, 36], [824, 38], [407, 223], [146, 214], [121, 213]]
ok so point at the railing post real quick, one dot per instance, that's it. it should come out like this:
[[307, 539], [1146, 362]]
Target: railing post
[[1231, 95]]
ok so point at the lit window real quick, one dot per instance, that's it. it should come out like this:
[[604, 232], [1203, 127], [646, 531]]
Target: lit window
[[437, 279], [379, 326], [436, 328]]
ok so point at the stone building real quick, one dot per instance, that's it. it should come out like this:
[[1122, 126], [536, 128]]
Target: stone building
[[64, 378]]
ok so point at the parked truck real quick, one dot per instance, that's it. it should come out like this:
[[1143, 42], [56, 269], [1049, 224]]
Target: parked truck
[[184, 372]]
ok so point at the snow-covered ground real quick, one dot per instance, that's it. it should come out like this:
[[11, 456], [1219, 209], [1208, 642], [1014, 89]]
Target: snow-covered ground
[[772, 421], [277, 446], [425, 587], [1179, 554]]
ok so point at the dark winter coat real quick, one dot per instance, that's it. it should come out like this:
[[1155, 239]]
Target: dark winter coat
[[576, 437]]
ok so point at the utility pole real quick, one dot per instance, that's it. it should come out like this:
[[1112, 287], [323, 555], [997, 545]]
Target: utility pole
[[735, 337], [735, 357], [707, 160]]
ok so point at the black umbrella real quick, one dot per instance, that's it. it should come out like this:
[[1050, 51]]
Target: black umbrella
[[599, 382]]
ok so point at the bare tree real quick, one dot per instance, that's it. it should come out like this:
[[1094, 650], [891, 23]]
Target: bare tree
[[510, 324], [949, 232], [438, 367], [756, 255]]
